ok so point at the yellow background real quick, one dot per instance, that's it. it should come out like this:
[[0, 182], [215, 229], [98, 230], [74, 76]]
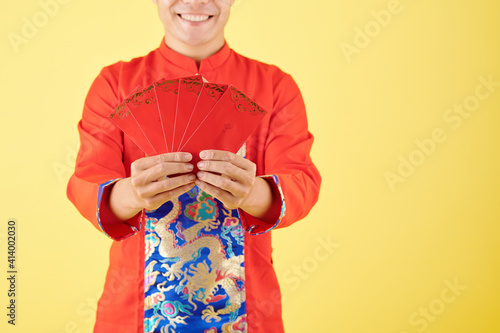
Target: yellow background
[[396, 249]]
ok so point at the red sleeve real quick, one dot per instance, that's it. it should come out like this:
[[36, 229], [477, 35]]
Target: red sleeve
[[288, 166], [99, 163]]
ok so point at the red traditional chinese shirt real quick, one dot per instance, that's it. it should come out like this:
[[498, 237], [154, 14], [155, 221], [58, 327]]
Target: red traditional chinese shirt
[[193, 265]]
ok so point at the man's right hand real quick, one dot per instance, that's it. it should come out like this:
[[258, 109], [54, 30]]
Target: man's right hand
[[150, 184]]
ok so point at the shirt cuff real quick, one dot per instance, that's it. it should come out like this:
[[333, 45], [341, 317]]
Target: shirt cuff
[[111, 226], [255, 226]]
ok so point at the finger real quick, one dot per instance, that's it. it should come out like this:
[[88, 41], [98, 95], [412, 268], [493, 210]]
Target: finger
[[164, 169], [150, 190], [158, 172], [225, 197], [148, 162], [223, 183], [221, 155], [168, 184], [225, 168], [159, 199]]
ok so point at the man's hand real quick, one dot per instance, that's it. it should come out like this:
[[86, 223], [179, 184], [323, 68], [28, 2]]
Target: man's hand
[[226, 176], [150, 185], [231, 179]]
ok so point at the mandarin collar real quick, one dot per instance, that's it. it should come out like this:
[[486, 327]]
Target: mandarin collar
[[208, 64]]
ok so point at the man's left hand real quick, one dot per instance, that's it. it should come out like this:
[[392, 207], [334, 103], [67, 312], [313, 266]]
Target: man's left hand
[[227, 176]]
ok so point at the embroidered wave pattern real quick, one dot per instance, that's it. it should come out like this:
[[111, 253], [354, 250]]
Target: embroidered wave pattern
[[194, 273]]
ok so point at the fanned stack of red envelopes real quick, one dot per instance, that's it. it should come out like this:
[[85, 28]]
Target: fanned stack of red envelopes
[[189, 115]]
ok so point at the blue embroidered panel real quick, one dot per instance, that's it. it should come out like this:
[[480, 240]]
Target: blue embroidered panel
[[194, 276]]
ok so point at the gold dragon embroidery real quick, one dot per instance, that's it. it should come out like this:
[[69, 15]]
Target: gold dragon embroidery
[[200, 281]]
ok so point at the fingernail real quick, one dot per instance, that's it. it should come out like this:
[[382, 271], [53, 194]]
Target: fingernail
[[199, 174], [189, 167], [201, 164], [203, 154], [191, 177], [186, 157]]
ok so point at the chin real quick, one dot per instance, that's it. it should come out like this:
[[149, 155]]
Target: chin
[[196, 40]]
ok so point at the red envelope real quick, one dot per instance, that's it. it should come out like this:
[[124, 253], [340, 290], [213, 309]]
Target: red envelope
[[188, 115], [227, 126], [209, 96], [144, 108], [122, 117], [166, 94], [189, 90]]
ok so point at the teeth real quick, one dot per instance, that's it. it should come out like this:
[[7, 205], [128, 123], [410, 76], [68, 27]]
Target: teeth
[[195, 18]]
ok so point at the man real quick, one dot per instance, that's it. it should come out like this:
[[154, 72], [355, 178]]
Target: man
[[192, 252]]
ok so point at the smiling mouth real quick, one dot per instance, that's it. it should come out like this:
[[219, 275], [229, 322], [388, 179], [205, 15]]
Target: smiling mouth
[[194, 18]]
